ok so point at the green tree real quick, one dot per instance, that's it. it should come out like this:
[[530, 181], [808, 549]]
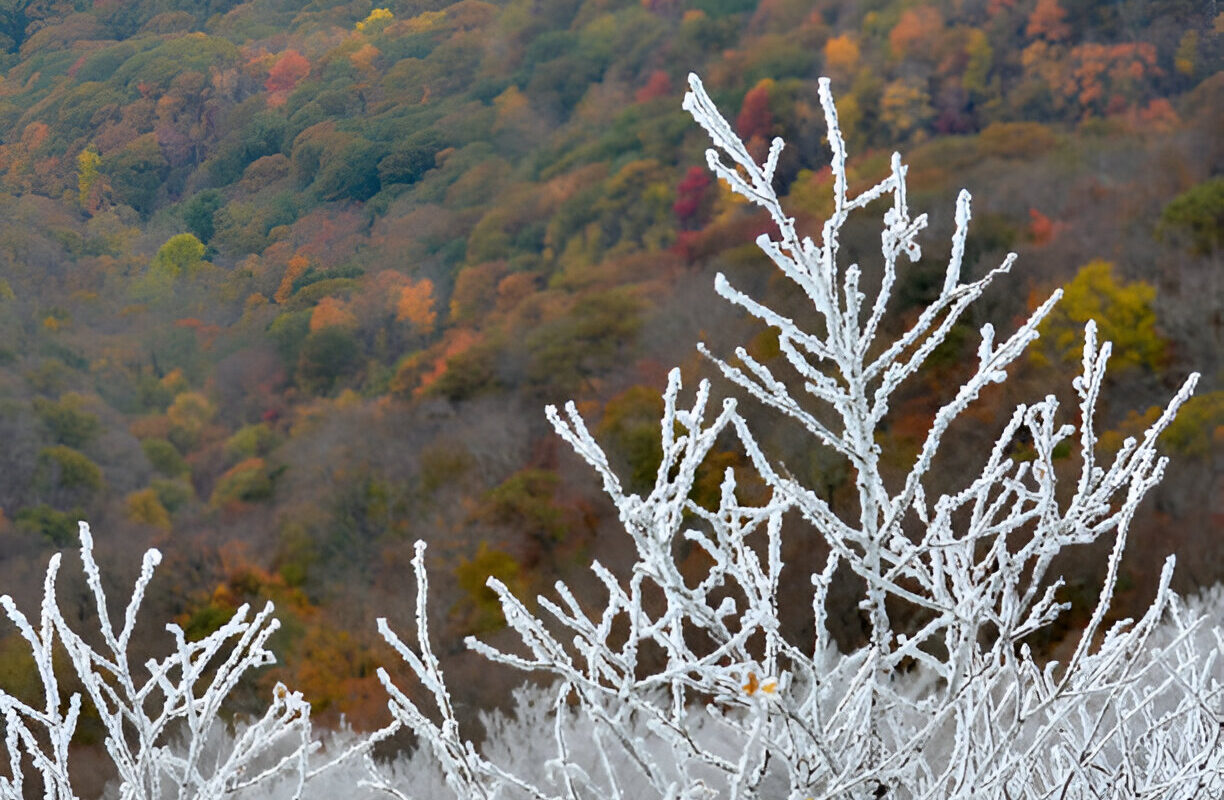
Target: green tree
[[262, 134], [526, 503], [251, 441], [470, 373], [68, 468], [173, 493], [189, 415], [411, 158], [67, 421], [199, 211], [14, 19], [979, 61], [591, 339], [287, 332], [247, 481], [1197, 432], [630, 429], [636, 209], [327, 356], [350, 173], [1197, 213], [137, 172], [57, 527], [164, 457]]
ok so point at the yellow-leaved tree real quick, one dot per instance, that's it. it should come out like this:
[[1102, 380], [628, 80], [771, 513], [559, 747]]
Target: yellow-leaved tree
[[1124, 315]]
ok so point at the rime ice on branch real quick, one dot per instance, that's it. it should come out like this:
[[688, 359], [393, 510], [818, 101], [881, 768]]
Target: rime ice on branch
[[163, 720], [740, 711]]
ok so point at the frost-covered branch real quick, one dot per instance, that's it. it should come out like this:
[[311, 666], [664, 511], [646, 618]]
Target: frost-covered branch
[[166, 730], [741, 711]]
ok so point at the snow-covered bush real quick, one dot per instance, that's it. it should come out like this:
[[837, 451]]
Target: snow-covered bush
[[163, 723], [738, 710], [954, 706], [524, 739]]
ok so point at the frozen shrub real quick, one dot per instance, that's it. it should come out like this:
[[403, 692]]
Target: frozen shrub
[[954, 707], [163, 721]]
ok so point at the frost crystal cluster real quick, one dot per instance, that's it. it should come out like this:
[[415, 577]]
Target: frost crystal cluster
[[683, 687]]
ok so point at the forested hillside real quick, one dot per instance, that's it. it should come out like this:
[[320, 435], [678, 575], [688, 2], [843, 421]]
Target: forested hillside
[[284, 286]]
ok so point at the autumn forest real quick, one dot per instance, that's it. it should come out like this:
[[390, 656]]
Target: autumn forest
[[285, 285]]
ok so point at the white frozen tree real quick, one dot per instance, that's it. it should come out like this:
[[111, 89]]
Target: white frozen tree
[[738, 710], [164, 727]]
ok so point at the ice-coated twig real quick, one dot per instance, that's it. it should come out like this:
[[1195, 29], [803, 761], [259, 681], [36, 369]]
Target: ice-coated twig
[[163, 725]]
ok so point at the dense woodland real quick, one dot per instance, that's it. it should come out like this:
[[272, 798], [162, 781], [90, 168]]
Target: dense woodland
[[284, 286]]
